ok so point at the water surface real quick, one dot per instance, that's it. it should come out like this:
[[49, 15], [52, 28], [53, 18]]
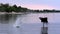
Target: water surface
[[28, 23]]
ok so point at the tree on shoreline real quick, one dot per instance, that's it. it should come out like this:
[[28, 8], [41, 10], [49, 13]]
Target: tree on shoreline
[[15, 8]]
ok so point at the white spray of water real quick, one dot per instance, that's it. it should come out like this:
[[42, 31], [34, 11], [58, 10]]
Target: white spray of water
[[17, 26], [18, 22]]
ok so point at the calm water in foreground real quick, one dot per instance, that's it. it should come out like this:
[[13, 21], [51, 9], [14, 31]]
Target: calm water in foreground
[[29, 23]]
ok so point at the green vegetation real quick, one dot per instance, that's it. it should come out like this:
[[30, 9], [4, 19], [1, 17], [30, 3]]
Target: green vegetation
[[46, 11], [15, 8]]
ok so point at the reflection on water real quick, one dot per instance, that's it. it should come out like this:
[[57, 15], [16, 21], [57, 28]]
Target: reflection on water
[[6, 18], [28, 23]]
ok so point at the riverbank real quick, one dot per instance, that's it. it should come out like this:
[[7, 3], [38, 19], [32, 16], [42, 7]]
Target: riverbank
[[26, 12], [11, 13]]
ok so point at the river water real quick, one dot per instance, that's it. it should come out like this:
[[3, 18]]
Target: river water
[[28, 23]]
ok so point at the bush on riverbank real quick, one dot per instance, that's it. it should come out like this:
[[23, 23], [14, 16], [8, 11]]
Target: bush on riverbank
[[15, 8]]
